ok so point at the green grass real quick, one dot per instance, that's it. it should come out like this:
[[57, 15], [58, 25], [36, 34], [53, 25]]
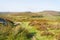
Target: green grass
[[24, 31]]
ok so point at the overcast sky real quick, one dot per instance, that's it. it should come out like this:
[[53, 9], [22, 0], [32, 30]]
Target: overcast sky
[[29, 5]]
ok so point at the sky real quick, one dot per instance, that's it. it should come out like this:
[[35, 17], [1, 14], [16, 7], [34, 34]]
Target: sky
[[29, 5]]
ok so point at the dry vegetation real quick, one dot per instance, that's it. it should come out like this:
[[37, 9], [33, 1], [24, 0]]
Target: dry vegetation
[[30, 26]]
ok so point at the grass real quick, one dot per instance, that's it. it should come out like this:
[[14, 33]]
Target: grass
[[24, 31]]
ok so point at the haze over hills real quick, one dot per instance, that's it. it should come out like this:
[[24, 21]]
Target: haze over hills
[[51, 12], [45, 13]]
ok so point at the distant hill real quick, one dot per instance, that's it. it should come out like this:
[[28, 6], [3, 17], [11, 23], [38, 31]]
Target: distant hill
[[51, 12], [54, 13]]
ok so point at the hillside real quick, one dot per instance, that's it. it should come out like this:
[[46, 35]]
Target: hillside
[[43, 25]]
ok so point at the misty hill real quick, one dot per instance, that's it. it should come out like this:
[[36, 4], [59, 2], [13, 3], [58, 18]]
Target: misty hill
[[54, 13]]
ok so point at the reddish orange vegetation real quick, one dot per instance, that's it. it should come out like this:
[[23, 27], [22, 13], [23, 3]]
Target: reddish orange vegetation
[[46, 33], [43, 24], [40, 25]]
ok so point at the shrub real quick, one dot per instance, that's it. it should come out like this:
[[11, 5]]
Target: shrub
[[57, 36], [46, 33]]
